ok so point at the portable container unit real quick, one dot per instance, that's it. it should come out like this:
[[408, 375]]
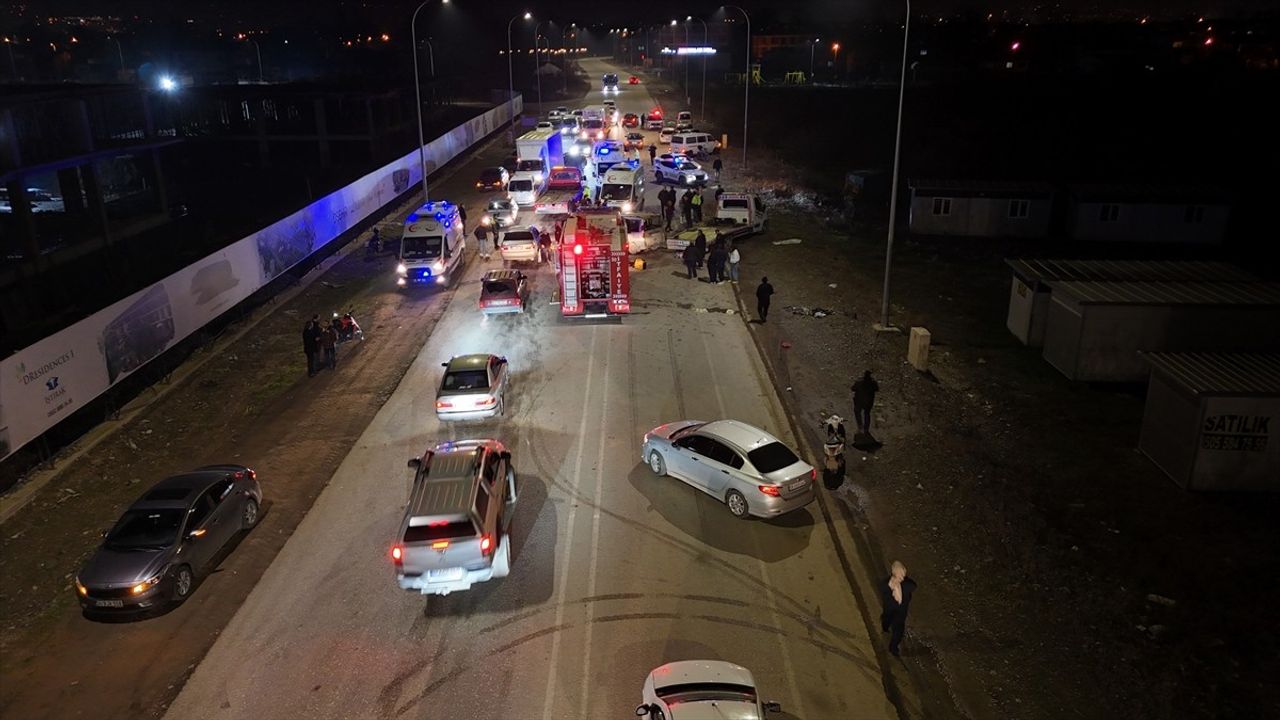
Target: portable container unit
[[1029, 292], [977, 208], [1096, 329], [1148, 214], [1212, 420]]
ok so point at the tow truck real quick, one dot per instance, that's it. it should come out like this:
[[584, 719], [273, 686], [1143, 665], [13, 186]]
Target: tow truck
[[595, 279], [564, 192], [737, 216]]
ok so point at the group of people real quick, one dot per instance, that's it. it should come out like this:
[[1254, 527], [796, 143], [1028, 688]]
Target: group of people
[[691, 202], [320, 341], [720, 257]]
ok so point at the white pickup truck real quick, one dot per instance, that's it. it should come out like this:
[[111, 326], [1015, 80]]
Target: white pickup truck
[[737, 216]]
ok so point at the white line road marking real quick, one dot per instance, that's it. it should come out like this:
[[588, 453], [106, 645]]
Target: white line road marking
[[595, 536], [797, 700], [558, 596]]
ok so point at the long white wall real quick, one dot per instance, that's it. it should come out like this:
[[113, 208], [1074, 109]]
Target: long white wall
[[44, 383]]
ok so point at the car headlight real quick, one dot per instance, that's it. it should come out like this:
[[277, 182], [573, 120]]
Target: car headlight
[[438, 265], [486, 220], [80, 588], [401, 269], [146, 585], [537, 177], [626, 207]]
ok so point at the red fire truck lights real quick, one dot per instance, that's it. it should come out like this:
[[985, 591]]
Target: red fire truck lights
[[577, 249]]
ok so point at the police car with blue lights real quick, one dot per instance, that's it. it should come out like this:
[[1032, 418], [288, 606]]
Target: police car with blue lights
[[431, 246]]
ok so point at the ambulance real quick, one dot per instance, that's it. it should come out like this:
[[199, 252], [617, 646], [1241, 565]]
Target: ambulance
[[431, 245]]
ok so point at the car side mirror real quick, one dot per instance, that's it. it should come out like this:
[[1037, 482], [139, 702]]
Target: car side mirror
[[415, 463], [444, 364], [197, 533], [104, 534], [505, 455], [642, 710], [773, 707]]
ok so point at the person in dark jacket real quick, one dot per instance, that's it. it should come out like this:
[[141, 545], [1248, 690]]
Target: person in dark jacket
[[690, 258], [311, 343], [764, 294], [329, 345], [653, 154], [864, 397], [668, 199], [462, 215], [700, 242], [717, 166], [686, 208], [715, 263], [896, 592]]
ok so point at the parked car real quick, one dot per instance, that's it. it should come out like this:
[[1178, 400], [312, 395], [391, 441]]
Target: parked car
[[746, 468], [169, 537], [634, 141], [504, 291], [631, 120], [546, 125], [500, 213], [702, 689], [678, 169], [456, 525], [473, 387], [697, 144], [664, 135], [633, 80], [520, 244], [493, 178]]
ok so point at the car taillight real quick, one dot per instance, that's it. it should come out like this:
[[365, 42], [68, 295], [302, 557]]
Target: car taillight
[[771, 490], [441, 404], [813, 473], [486, 544], [439, 544], [397, 554], [486, 401]]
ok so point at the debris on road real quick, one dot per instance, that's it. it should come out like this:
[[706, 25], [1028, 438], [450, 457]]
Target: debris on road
[[788, 241]]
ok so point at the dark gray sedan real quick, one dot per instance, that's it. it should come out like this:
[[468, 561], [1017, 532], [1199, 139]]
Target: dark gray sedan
[[174, 531]]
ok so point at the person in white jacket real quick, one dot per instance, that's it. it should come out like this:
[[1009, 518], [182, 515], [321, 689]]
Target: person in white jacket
[[734, 259]]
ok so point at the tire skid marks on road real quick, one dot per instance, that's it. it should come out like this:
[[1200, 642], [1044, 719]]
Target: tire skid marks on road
[[595, 535]]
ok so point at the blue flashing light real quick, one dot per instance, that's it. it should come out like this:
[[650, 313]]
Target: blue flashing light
[[413, 218]]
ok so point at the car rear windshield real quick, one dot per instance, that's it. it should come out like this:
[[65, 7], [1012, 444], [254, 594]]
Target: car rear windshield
[[773, 456], [500, 205], [518, 236], [417, 248], [691, 692], [594, 124], [466, 380], [616, 192], [146, 529], [442, 530], [498, 287], [520, 185], [491, 175], [529, 166]]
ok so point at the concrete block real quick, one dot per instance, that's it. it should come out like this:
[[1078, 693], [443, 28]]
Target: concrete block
[[918, 349]]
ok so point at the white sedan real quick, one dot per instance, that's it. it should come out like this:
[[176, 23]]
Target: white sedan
[[702, 689], [744, 467]]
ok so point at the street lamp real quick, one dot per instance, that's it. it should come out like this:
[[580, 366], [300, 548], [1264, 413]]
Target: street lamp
[[564, 61], [13, 67], [119, 51], [537, 66], [703, 112], [746, 84], [893, 193], [835, 53], [511, 82], [812, 44], [417, 90]]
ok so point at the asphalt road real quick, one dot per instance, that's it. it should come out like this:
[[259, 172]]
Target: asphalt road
[[614, 570]]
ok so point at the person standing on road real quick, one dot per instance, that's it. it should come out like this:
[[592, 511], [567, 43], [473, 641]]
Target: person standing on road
[[696, 202], [482, 241], [686, 208], [690, 257], [329, 344], [653, 155], [311, 343], [462, 215], [864, 397], [715, 263], [896, 595], [764, 295], [718, 165], [700, 245], [734, 259]]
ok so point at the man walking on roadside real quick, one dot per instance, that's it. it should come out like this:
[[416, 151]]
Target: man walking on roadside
[[764, 295], [690, 258], [715, 263], [896, 592], [482, 241], [864, 397], [734, 259], [311, 343], [718, 165], [653, 155]]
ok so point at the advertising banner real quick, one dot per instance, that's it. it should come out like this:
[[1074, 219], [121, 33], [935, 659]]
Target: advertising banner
[[44, 383]]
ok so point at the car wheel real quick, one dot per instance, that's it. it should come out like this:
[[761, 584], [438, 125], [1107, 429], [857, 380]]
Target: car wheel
[[737, 503], [657, 464], [183, 581], [249, 517]]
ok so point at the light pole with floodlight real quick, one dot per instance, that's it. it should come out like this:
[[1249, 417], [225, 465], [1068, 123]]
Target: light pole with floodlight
[[812, 44], [893, 193], [511, 81], [417, 90], [705, 39], [746, 84]]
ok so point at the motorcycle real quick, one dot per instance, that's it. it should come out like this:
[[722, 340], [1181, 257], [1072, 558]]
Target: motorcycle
[[347, 327], [833, 466], [374, 246]]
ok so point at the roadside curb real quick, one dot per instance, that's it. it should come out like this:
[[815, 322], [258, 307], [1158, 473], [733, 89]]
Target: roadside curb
[[12, 502], [860, 583]]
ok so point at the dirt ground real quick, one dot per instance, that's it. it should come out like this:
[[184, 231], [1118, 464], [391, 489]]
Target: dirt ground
[[1060, 573], [292, 429]]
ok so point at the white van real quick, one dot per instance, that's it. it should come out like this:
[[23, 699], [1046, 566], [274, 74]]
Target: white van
[[431, 245], [694, 143], [525, 187], [623, 187]]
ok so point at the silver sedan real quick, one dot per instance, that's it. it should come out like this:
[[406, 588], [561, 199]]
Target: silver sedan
[[746, 468], [473, 387]]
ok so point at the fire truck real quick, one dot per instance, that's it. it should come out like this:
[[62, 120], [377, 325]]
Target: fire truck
[[594, 273]]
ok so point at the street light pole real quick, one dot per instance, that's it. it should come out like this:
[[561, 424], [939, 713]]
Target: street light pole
[[417, 92], [536, 67], [893, 193], [258, 50], [812, 44], [703, 112], [511, 82], [746, 84], [119, 51]]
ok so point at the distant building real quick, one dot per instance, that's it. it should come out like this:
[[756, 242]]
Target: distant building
[[976, 208], [1148, 213]]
